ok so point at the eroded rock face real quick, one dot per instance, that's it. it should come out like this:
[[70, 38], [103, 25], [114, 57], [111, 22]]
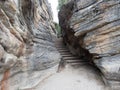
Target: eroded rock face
[[95, 27], [26, 42]]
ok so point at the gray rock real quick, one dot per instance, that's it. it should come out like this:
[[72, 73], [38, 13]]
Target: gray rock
[[93, 31], [26, 42], [110, 67]]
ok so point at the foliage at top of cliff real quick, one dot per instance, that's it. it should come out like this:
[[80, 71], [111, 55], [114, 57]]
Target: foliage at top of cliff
[[61, 2]]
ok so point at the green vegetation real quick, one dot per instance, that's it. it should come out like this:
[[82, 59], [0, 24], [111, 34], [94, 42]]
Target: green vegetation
[[61, 2], [58, 29]]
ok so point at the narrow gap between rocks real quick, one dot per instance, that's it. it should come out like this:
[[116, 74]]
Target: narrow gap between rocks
[[67, 35], [67, 44]]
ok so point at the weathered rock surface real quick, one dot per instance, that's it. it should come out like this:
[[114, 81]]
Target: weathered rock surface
[[26, 42], [91, 29]]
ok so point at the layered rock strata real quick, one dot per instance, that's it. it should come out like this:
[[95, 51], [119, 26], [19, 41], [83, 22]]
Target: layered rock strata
[[26, 42], [91, 29]]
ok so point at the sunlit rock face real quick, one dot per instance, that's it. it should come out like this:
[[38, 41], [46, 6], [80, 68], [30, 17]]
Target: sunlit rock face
[[94, 25], [26, 42]]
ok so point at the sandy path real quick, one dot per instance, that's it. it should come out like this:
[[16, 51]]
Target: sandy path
[[73, 78]]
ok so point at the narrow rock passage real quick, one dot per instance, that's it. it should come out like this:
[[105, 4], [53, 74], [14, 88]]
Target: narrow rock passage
[[76, 74], [67, 57]]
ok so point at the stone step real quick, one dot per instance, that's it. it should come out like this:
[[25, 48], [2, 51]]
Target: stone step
[[76, 61], [71, 58], [78, 64], [61, 47], [63, 50], [67, 55]]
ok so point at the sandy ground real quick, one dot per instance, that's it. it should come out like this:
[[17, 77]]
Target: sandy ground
[[73, 78]]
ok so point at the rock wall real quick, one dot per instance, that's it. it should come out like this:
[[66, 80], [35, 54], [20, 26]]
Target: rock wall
[[26, 42], [91, 29]]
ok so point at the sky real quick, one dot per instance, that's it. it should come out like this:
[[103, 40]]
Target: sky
[[54, 4]]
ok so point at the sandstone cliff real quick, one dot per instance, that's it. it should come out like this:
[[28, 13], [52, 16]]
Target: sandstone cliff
[[91, 29], [26, 42]]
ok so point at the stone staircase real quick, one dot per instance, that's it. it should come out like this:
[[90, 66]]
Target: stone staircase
[[67, 57]]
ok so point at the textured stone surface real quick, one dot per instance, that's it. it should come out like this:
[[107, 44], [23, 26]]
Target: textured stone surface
[[26, 42], [95, 27]]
